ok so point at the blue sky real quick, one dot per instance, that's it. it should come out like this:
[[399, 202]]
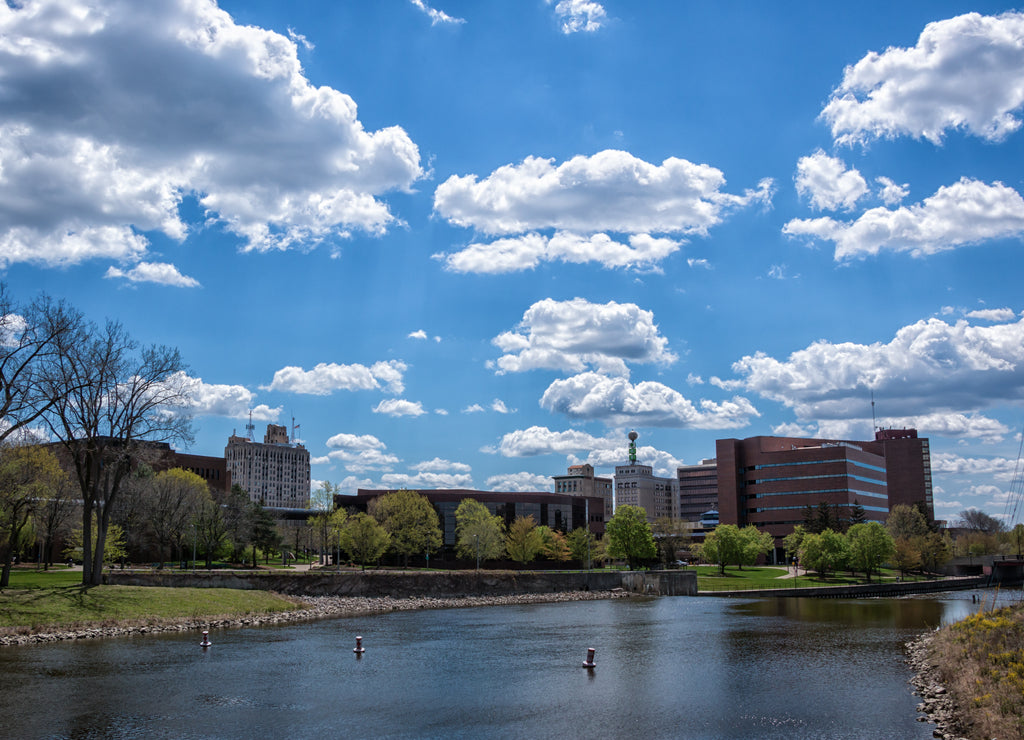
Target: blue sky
[[466, 244]]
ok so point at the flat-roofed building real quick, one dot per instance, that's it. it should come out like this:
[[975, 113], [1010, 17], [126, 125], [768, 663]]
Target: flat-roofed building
[[698, 489], [581, 481], [274, 472], [637, 485]]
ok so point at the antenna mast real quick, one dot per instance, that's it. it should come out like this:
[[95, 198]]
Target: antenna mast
[[874, 426], [250, 428]]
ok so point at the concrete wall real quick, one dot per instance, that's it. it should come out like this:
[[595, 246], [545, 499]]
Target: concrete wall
[[447, 583], [866, 590]]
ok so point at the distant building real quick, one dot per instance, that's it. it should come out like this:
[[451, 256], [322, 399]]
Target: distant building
[[636, 485], [698, 489], [581, 481], [213, 470], [274, 472], [770, 481]]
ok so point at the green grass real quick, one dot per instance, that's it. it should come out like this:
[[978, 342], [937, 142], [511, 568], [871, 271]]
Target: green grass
[[765, 577], [37, 600]]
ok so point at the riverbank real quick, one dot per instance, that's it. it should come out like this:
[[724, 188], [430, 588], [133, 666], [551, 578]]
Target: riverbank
[[308, 608], [970, 676]]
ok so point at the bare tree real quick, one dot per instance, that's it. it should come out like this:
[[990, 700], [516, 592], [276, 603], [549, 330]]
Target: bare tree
[[980, 521], [29, 338], [53, 517], [108, 401], [174, 500]]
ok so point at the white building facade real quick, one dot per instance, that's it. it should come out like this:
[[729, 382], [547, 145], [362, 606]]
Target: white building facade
[[274, 472]]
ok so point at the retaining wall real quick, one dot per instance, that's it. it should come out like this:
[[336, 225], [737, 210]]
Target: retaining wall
[[435, 583], [863, 590]]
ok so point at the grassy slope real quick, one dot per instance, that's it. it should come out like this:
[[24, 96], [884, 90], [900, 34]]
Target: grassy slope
[[735, 579], [38, 600]]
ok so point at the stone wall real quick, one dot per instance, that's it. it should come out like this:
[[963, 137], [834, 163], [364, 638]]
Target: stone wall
[[403, 584]]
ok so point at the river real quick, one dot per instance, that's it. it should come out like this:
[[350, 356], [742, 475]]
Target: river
[[671, 667]]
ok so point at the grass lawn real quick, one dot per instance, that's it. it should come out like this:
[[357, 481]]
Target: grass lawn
[[761, 577], [39, 599]]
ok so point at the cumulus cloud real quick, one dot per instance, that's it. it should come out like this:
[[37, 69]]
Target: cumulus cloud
[[890, 193], [399, 407], [993, 314], [537, 440], [525, 252], [216, 399], [473, 408], [420, 334], [965, 213], [437, 16], [572, 335], [949, 464], [499, 406], [326, 378], [438, 465], [426, 480], [360, 452], [928, 367], [828, 183], [610, 191], [965, 73], [579, 15], [617, 402], [519, 482], [153, 272], [114, 112]]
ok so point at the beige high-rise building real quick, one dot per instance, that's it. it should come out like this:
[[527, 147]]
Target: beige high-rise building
[[274, 472], [581, 481], [636, 485]]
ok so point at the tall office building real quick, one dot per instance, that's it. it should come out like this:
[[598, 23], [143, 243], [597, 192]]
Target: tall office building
[[698, 489], [581, 481], [636, 485], [274, 472]]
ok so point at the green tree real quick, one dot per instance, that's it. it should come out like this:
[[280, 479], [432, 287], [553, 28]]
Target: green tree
[[722, 546], [410, 520], [582, 545], [174, 500], [322, 499], [264, 534], [364, 539], [29, 474], [825, 552], [754, 543], [906, 556], [905, 522], [523, 542], [792, 541], [629, 536], [871, 545], [857, 514], [670, 535], [555, 547], [936, 549], [113, 545], [479, 534]]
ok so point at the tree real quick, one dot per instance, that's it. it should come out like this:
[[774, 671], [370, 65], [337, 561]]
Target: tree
[[410, 520], [326, 528], [113, 546], [555, 547], [792, 541], [936, 549], [979, 521], [857, 514], [264, 534], [754, 543], [30, 337], [582, 545], [670, 534], [871, 545], [905, 522], [322, 499], [364, 539], [523, 542], [629, 536], [478, 533], [211, 529], [906, 556], [109, 401], [824, 552], [174, 499], [28, 476], [53, 516], [238, 521], [722, 546]]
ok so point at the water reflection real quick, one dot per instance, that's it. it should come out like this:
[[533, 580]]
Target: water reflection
[[666, 668]]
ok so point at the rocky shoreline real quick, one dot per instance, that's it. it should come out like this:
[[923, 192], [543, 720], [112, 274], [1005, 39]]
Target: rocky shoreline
[[936, 704], [313, 607]]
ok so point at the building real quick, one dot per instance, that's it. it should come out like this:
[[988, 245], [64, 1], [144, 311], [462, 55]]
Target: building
[[770, 481], [558, 511], [698, 489], [636, 485], [274, 472], [213, 470], [581, 481]]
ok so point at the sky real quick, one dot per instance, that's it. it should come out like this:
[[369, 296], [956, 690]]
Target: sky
[[463, 244]]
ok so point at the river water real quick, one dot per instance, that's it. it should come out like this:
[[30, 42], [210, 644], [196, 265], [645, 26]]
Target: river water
[[674, 667]]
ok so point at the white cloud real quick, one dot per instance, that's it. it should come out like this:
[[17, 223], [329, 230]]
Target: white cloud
[[360, 452], [692, 262], [519, 482], [993, 314], [326, 378], [617, 402], [525, 252], [499, 406], [927, 368], [946, 463], [542, 441], [571, 335], [351, 485], [215, 399], [890, 193], [355, 442], [418, 334], [474, 408], [117, 110], [965, 73], [579, 15], [828, 183], [399, 407], [426, 480], [437, 16], [967, 212], [610, 191], [154, 272], [437, 465]]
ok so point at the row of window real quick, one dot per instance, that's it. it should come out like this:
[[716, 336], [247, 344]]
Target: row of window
[[861, 478], [842, 460], [872, 494], [758, 510]]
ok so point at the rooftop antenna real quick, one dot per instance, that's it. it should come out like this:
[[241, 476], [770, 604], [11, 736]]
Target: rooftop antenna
[[874, 426], [295, 431], [632, 447], [250, 428]]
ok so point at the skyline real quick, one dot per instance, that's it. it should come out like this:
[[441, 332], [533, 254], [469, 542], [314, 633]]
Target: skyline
[[467, 245]]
